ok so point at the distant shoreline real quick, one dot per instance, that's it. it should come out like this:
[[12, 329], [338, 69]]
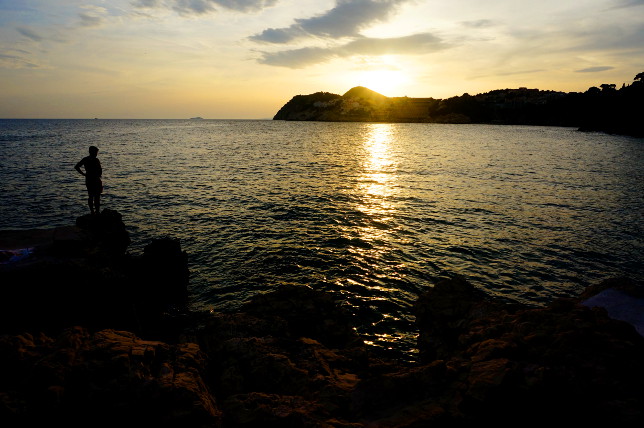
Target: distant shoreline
[[609, 110]]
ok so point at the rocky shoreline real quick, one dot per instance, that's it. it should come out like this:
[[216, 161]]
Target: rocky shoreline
[[93, 336]]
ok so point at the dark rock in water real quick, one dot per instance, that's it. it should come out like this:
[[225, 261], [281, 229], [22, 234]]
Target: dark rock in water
[[565, 361], [272, 365], [88, 279], [107, 231], [291, 358], [166, 268], [306, 313], [443, 314]]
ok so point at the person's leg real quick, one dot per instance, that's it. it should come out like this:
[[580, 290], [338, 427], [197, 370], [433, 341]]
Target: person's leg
[[97, 203], [90, 202]]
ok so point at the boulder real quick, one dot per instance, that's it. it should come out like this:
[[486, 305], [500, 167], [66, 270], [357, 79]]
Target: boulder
[[108, 378], [82, 275]]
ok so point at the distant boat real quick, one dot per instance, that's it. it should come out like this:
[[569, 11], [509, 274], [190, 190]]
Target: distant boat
[[196, 118]]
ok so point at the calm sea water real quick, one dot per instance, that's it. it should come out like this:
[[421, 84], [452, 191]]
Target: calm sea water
[[374, 213]]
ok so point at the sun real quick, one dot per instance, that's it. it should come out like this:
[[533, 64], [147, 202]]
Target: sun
[[384, 81]]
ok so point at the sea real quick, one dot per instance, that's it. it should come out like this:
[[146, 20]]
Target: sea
[[374, 213]]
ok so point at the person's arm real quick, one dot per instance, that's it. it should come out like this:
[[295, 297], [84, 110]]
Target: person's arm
[[78, 167]]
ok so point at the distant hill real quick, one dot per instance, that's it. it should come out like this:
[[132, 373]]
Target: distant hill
[[604, 108]]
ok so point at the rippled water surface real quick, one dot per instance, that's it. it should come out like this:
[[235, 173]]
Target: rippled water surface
[[374, 213]]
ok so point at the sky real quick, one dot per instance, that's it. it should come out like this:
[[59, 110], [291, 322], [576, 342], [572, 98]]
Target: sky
[[244, 59]]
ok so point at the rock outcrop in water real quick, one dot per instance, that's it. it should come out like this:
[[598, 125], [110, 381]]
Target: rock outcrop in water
[[291, 358], [608, 109]]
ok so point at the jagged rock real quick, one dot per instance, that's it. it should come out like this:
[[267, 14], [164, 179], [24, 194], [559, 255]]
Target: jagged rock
[[95, 283], [307, 313], [444, 312], [557, 362], [292, 357], [270, 365], [267, 366], [109, 378]]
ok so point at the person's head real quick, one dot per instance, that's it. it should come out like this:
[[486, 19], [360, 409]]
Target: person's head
[[93, 150]]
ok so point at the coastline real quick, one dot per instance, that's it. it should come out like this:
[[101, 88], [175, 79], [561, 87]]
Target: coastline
[[608, 110], [94, 335]]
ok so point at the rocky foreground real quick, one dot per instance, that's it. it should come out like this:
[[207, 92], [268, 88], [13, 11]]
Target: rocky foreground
[[93, 336]]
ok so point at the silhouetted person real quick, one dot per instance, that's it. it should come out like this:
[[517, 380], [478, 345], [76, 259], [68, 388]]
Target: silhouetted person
[[93, 173]]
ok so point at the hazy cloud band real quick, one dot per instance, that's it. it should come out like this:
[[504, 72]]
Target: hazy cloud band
[[416, 44], [347, 18], [200, 7]]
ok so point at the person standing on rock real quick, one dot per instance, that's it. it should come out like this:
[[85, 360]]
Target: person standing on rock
[[93, 173]]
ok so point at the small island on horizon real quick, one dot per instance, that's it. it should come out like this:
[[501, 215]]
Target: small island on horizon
[[604, 108]]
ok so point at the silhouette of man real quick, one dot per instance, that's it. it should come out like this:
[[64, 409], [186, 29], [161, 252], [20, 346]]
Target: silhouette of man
[[93, 173]]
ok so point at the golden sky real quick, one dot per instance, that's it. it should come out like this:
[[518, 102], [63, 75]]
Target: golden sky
[[243, 59]]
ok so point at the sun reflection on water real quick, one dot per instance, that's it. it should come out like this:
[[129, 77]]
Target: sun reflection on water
[[376, 187], [377, 183]]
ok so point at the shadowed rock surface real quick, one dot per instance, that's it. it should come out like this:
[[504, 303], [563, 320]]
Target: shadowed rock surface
[[291, 358]]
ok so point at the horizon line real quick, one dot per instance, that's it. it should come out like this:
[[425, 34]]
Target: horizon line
[[127, 118]]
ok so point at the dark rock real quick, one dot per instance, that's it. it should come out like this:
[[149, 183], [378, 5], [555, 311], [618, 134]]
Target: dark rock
[[109, 378], [270, 365], [265, 366], [93, 283], [107, 231], [292, 358], [542, 364], [165, 269], [445, 312], [307, 313]]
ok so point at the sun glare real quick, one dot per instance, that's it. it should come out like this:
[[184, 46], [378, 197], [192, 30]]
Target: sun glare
[[385, 82]]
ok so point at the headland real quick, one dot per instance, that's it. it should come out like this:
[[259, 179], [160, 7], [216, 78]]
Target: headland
[[604, 108]]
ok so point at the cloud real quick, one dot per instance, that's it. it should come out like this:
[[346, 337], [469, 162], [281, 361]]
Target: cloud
[[613, 38], [297, 58], [10, 61], [628, 3], [93, 17], [481, 23], [88, 20], [200, 7], [594, 69], [416, 44], [347, 18], [30, 33], [517, 72], [44, 35]]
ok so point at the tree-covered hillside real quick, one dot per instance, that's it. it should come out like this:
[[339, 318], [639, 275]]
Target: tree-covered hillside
[[604, 108]]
